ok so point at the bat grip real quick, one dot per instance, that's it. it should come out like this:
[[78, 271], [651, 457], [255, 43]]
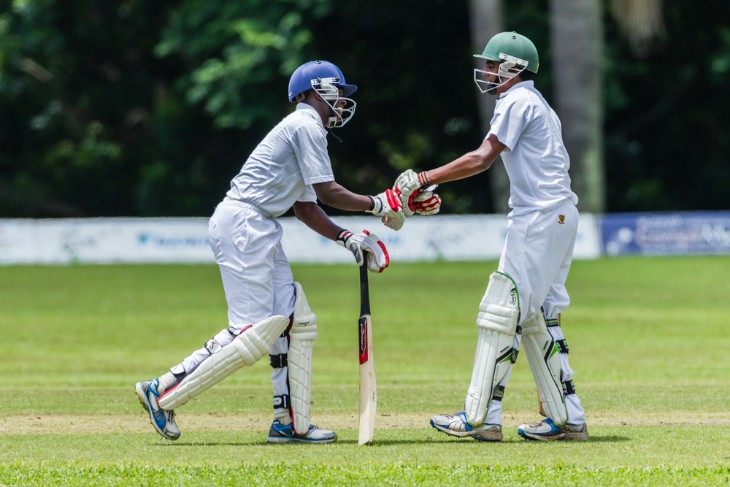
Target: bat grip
[[364, 287]]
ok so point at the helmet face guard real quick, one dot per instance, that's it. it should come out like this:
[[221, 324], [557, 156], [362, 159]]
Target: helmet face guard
[[327, 80], [509, 67], [342, 109]]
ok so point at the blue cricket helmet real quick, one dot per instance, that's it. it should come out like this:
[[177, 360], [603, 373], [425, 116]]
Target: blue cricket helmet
[[313, 74]]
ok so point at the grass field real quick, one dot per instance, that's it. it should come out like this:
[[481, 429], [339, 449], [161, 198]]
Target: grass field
[[649, 342]]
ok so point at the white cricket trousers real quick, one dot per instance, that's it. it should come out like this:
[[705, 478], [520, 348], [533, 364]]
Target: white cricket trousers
[[257, 279], [537, 254]]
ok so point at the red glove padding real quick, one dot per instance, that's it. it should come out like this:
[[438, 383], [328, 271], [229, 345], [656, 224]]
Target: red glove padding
[[365, 242], [425, 202]]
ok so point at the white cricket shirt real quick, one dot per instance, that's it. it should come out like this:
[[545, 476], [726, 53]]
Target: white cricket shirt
[[283, 167], [535, 158]]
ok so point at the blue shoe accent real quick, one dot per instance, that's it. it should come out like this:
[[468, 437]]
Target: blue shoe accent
[[465, 420], [163, 421], [541, 430], [284, 433], [457, 424]]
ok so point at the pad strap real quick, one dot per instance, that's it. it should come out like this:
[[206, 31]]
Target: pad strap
[[278, 361], [282, 401]]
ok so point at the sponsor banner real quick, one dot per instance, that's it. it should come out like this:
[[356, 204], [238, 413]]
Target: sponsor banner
[[104, 240], [685, 233], [438, 237], [185, 240]]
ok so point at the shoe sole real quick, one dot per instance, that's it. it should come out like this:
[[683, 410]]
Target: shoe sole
[[281, 440], [142, 397], [466, 434], [558, 437], [491, 437]]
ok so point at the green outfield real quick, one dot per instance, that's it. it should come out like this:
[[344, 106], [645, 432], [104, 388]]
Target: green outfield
[[649, 342]]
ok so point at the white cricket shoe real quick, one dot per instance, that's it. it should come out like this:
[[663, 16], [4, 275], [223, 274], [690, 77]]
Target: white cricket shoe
[[457, 424], [546, 430], [284, 433], [163, 421]]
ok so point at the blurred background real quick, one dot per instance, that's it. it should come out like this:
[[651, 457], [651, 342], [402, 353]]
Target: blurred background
[[138, 108]]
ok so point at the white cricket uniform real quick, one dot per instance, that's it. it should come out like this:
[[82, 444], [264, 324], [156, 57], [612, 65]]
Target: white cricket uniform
[[544, 220], [542, 226], [246, 237]]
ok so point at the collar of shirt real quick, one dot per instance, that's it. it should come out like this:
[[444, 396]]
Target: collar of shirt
[[310, 108], [522, 84]]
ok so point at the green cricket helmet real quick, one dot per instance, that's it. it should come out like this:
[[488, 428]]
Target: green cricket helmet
[[514, 52]]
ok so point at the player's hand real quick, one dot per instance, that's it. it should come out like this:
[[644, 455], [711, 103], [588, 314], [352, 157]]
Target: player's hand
[[405, 185], [388, 206], [416, 195], [426, 202], [367, 242]]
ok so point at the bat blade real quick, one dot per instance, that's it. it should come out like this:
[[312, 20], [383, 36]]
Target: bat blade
[[368, 394]]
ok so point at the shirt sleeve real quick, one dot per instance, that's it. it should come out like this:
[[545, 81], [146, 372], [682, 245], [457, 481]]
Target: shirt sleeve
[[310, 148], [509, 121]]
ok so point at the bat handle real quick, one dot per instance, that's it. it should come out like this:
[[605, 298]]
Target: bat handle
[[364, 287]]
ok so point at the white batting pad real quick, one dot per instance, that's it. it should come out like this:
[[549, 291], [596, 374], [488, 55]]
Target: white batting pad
[[492, 362], [245, 350], [543, 355], [497, 322], [302, 335], [500, 306]]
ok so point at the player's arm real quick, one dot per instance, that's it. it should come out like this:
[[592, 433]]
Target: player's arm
[[386, 204], [417, 190], [337, 196], [468, 165], [312, 215]]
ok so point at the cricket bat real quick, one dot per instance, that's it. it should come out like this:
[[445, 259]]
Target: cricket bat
[[367, 364]]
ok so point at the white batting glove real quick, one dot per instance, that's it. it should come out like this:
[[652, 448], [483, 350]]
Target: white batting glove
[[416, 195], [357, 243], [405, 185], [388, 206], [426, 202]]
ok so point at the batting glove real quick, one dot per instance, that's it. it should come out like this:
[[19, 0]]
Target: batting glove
[[357, 243], [426, 202], [388, 206], [416, 195]]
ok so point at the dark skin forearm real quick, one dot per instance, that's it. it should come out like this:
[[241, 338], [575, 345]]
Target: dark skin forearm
[[469, 164], [315, 218], [337, 196]]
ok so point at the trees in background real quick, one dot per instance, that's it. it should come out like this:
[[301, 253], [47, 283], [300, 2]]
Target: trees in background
[[146, 108]]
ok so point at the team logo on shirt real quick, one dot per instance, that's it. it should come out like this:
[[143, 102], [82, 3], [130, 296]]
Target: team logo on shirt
[[561, 219]]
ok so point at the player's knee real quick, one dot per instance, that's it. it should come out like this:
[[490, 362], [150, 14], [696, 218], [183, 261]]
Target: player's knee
[[499, 309], [304, 324]]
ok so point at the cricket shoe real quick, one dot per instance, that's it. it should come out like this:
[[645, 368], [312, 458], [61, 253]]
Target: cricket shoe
[[163, 421], [546, 430], [457, 425], [284, 433]]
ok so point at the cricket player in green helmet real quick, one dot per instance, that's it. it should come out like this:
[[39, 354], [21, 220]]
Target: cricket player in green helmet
[[526, 294]]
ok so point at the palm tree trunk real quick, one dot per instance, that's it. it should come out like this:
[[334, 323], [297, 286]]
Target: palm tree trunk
[[577, 47], [486, 20]]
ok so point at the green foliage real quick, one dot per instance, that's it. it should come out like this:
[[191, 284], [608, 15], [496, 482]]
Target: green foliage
[[138, 108], [666, 143], [240, 54]]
